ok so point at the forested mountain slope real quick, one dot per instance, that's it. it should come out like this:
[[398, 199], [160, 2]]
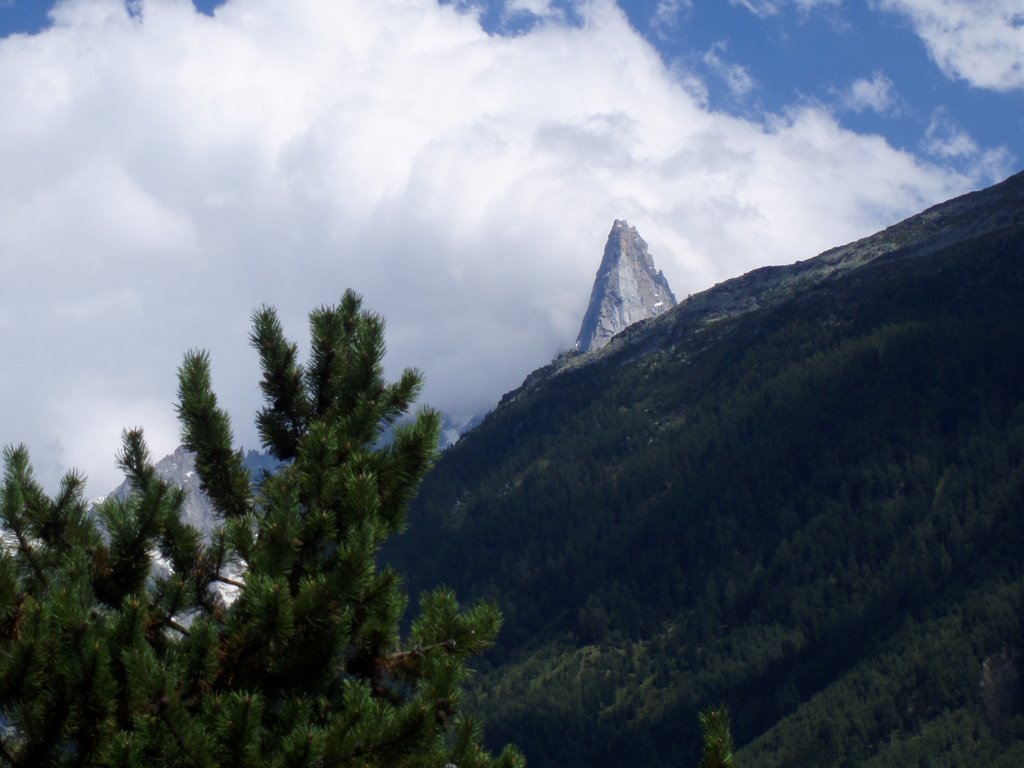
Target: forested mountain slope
[[800, 494]]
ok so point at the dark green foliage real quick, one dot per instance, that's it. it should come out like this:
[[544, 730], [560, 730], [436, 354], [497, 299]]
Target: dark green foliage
[[717, 738], [106, 660], [206, 429], [811, 512]]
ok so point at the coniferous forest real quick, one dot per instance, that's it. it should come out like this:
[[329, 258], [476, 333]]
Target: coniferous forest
[[811, 512], [120, 647]]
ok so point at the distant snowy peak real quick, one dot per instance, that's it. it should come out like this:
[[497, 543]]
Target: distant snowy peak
[[628, 288], [179, 469]]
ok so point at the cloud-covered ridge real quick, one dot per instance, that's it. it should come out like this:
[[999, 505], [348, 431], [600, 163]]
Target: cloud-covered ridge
[[166, 171]]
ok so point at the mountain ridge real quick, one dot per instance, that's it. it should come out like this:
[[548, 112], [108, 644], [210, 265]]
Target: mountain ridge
[[798, 493], [913, 236]]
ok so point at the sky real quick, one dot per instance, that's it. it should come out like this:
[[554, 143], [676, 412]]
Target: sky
[[167, 166]]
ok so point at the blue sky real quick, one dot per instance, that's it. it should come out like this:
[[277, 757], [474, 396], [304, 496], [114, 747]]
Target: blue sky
[[459, 165], [868, 61]]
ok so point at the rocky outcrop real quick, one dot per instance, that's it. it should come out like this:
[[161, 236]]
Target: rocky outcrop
[[999, 208], [179, 469], [627, 289]]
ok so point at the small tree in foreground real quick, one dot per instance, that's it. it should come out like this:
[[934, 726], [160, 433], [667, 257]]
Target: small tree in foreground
[[106, 660], [717, 737]]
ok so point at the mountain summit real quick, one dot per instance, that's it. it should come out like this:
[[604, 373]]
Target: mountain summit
[[627, 289], [799, 492]]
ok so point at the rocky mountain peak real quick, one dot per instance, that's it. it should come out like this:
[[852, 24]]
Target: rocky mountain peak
[[179, 469], [627, 289]]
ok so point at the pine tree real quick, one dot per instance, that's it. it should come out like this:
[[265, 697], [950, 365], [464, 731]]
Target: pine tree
[[717, 737], [108, 660]]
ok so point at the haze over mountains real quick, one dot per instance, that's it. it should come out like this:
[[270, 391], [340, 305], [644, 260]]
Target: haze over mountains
[[627, 289]]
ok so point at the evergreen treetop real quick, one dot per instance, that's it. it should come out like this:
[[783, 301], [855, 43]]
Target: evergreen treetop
[[107, 659], [717, 737]]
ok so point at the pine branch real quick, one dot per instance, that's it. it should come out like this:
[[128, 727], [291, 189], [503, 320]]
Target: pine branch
[[26, 549], [176, 626], [66, 521], [161, 709], [5, 753], [380, 668], [717, 737], [282, 422], [330, 334], [18, 484], [417, 651], [134, 459], [228, 581], [206, 429]]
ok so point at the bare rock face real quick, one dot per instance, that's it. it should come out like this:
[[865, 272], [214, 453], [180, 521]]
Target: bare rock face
[[179, 469], [627, 289]]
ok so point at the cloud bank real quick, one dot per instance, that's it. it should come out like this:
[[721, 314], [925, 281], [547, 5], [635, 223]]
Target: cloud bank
[[165, 172], [980, 41]]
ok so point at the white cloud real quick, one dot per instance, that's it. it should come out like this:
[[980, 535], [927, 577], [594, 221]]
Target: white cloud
[[806, 5], [765, 8], [666, 15], [875, 94], [980, 41], [946, 140], [760, 8], [736, 77], [540, 8], [165, 174]]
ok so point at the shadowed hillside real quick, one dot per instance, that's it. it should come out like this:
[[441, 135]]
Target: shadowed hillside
[[800, 494]]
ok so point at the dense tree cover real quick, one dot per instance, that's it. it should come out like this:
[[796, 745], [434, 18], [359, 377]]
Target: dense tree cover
[[110, 659], [811, 512]]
